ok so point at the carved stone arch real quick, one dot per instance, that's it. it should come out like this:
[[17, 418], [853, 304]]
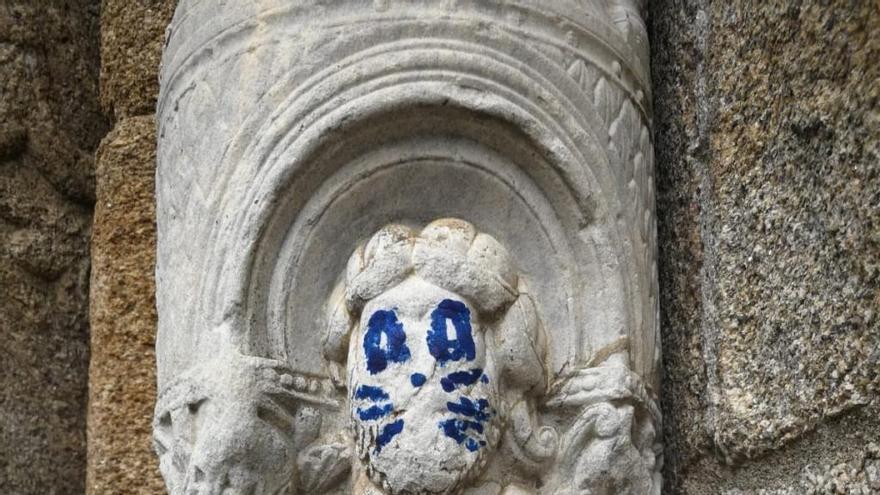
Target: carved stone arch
[[571, 141], [419, 110], [533, 127]]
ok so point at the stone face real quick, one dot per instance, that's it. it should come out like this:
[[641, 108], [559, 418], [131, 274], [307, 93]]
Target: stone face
[[123, 314], [50, 125], [768, 181], [413, 252], [424, 362], [766, 135]]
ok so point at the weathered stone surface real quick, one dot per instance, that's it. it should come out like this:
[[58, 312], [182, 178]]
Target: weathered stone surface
[[767, 182], [795, 146], [840, 456], [50, 124], [680, 155], [460, 194], [132, 33], [122, 368], [123, 315]]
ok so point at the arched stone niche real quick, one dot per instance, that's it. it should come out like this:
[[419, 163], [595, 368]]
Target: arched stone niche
[[291, 134]]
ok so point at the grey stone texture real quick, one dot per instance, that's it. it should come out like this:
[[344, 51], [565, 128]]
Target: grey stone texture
[[50, 125], [768, 152]]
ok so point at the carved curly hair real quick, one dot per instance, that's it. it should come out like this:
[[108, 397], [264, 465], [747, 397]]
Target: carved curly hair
[[452, 255]]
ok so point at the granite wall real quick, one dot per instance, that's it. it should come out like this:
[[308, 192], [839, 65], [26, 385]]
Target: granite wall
[[122, 381], [768, 156], [50, 126]]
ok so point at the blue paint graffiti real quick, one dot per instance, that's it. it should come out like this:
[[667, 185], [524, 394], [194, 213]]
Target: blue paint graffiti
[[478, 410], [373, 413], [394, 348], [417, 379], [370, 392], [373, 394], [456, 429], [389, 431], [440, 345], [475, 414], [461, 378]]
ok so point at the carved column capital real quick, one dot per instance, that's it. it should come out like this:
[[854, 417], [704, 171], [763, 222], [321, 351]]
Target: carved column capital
[[407, 247]]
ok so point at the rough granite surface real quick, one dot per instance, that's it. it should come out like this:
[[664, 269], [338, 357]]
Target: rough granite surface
[[122, 371], [123, 314], [132, 36], [680, 153], [768, 145], [50, 125]]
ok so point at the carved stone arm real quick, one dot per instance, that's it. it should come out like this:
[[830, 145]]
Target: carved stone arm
[[238, 423], [611, 446]]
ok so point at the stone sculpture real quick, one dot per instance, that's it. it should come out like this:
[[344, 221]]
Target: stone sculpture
[[407, 248], [443, 352]]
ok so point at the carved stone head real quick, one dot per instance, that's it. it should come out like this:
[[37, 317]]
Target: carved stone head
[[440, 346]]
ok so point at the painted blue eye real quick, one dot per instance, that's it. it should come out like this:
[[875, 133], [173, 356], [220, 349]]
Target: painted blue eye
[[384, 341], [442, 346]]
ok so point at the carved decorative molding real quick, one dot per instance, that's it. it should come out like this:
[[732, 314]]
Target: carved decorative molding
[[407, 247]]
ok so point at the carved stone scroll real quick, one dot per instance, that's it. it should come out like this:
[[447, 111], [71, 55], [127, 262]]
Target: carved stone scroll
[[407, 248]]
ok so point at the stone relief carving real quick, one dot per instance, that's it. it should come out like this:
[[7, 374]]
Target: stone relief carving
[[239, 423], [412, 251], [443, 347]]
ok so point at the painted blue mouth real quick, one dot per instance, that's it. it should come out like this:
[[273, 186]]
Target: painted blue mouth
[[382, 406], [469, 424]]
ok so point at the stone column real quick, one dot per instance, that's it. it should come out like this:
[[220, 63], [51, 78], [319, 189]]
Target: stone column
[[407, 247], [123, 317]]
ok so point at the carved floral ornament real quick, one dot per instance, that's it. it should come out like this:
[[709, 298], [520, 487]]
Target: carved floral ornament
[[406, 248]]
